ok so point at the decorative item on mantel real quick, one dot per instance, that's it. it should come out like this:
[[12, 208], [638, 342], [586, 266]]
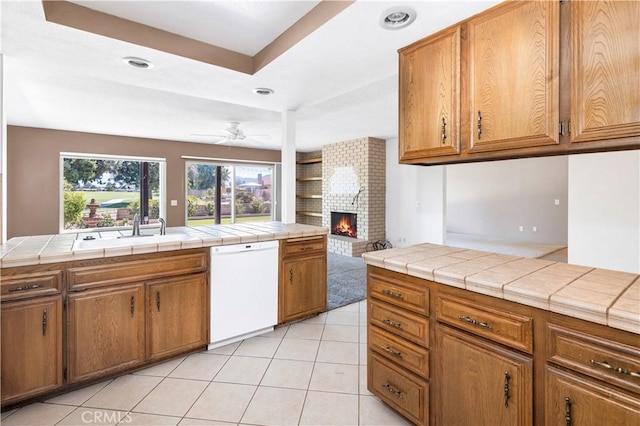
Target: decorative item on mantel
[[92, 220]]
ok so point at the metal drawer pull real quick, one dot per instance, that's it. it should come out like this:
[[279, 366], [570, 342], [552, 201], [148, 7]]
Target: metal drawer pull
[[475, 322], [158, 300], [392, 390], [506, 389], [26, 287], [444, 130], [392, 324], [133, 305], [44, 323], [392, 294], [620, 370], [391, 351], [567, 411]]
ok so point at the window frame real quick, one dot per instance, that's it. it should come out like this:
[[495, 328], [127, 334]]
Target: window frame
[[232, 164], [162, 187]]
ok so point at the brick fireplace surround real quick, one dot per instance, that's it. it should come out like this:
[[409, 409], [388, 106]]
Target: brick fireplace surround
[[354, 181]]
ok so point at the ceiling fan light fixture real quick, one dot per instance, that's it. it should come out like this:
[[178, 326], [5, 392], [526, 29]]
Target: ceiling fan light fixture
[[138, 63], [397, 17], [263, 91]]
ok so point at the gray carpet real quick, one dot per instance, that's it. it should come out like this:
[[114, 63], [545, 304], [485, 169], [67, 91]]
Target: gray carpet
[[346, 280]]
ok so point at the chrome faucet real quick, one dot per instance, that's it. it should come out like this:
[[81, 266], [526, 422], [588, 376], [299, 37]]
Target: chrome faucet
[[163, 226], [136, 225]]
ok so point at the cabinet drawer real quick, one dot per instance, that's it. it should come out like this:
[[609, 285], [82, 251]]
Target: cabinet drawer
[[400, 351], [400, 322], [603, 359], [303, 245], [120, 272], [29, 284], [401, 390], [398, 293], [500, 326]]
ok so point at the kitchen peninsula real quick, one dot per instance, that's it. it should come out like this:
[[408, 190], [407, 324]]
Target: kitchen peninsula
[[460, 336], [77, 308]]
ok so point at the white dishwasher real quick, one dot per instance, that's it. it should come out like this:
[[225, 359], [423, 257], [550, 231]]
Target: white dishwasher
[[244, 291]]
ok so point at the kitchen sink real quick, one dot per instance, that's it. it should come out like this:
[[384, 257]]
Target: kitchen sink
[[127, 241]]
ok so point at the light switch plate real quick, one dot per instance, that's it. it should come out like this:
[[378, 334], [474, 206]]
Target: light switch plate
[[174, 203]]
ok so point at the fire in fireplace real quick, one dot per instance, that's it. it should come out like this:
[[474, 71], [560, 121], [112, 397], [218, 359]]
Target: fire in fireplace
[[344, 224]]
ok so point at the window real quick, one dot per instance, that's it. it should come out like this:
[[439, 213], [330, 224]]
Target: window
[[107, 191], [229, 193]]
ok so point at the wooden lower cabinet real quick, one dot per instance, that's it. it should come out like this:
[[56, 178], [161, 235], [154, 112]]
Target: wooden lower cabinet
[[105, 331], [576, 401], [176, 315], [407, 393], [481, 383], [31, 347], [302, 289]]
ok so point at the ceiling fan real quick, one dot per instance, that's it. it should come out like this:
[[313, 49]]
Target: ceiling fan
[[232, 133]]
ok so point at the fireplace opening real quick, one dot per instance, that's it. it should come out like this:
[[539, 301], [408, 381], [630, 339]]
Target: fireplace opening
[[344, 224]]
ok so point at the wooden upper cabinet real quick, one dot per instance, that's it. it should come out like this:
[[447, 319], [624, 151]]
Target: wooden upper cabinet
[[514, 76], [605, 74], [430, 97]]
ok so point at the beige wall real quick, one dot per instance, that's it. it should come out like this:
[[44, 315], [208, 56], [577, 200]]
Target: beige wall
[[33, 162]]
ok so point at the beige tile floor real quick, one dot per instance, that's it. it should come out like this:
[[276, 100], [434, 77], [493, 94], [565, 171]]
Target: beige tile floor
[[309, 373]]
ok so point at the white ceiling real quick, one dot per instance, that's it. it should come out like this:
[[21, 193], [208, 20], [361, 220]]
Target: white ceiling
[[341, 79]]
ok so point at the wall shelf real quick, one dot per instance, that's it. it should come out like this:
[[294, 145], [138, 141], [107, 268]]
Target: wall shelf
[[310, 160], [309, 188], [307, 213]]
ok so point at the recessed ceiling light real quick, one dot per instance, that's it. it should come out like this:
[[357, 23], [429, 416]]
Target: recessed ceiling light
[[397, 17], [137, 62], [263, 91]]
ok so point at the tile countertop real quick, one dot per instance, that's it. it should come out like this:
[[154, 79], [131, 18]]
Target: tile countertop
[[42, 249], [598, 295]]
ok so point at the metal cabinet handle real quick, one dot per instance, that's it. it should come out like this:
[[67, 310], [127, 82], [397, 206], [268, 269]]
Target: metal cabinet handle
[[290, 276], [444, 131], [391, 351], [133, 304], [392, 390], [158, 300], [26, 287], [392, 294], [392, 324], [567, 411], [620, 370], [479, 125], [474, 322], [506, 389], [44, 322]]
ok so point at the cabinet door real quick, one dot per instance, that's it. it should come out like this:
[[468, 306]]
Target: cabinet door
[[573, 400], [513, 76], [430, 97], [31, 347], [105, 331], [481, 383], [605, 76], [177, 315], [303, 287]]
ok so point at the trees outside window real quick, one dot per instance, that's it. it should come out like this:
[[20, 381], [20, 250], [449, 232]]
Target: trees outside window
[[105, 192], [242, 193]]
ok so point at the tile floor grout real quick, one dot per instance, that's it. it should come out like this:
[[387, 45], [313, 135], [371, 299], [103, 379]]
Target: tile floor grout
[[326, 384]]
